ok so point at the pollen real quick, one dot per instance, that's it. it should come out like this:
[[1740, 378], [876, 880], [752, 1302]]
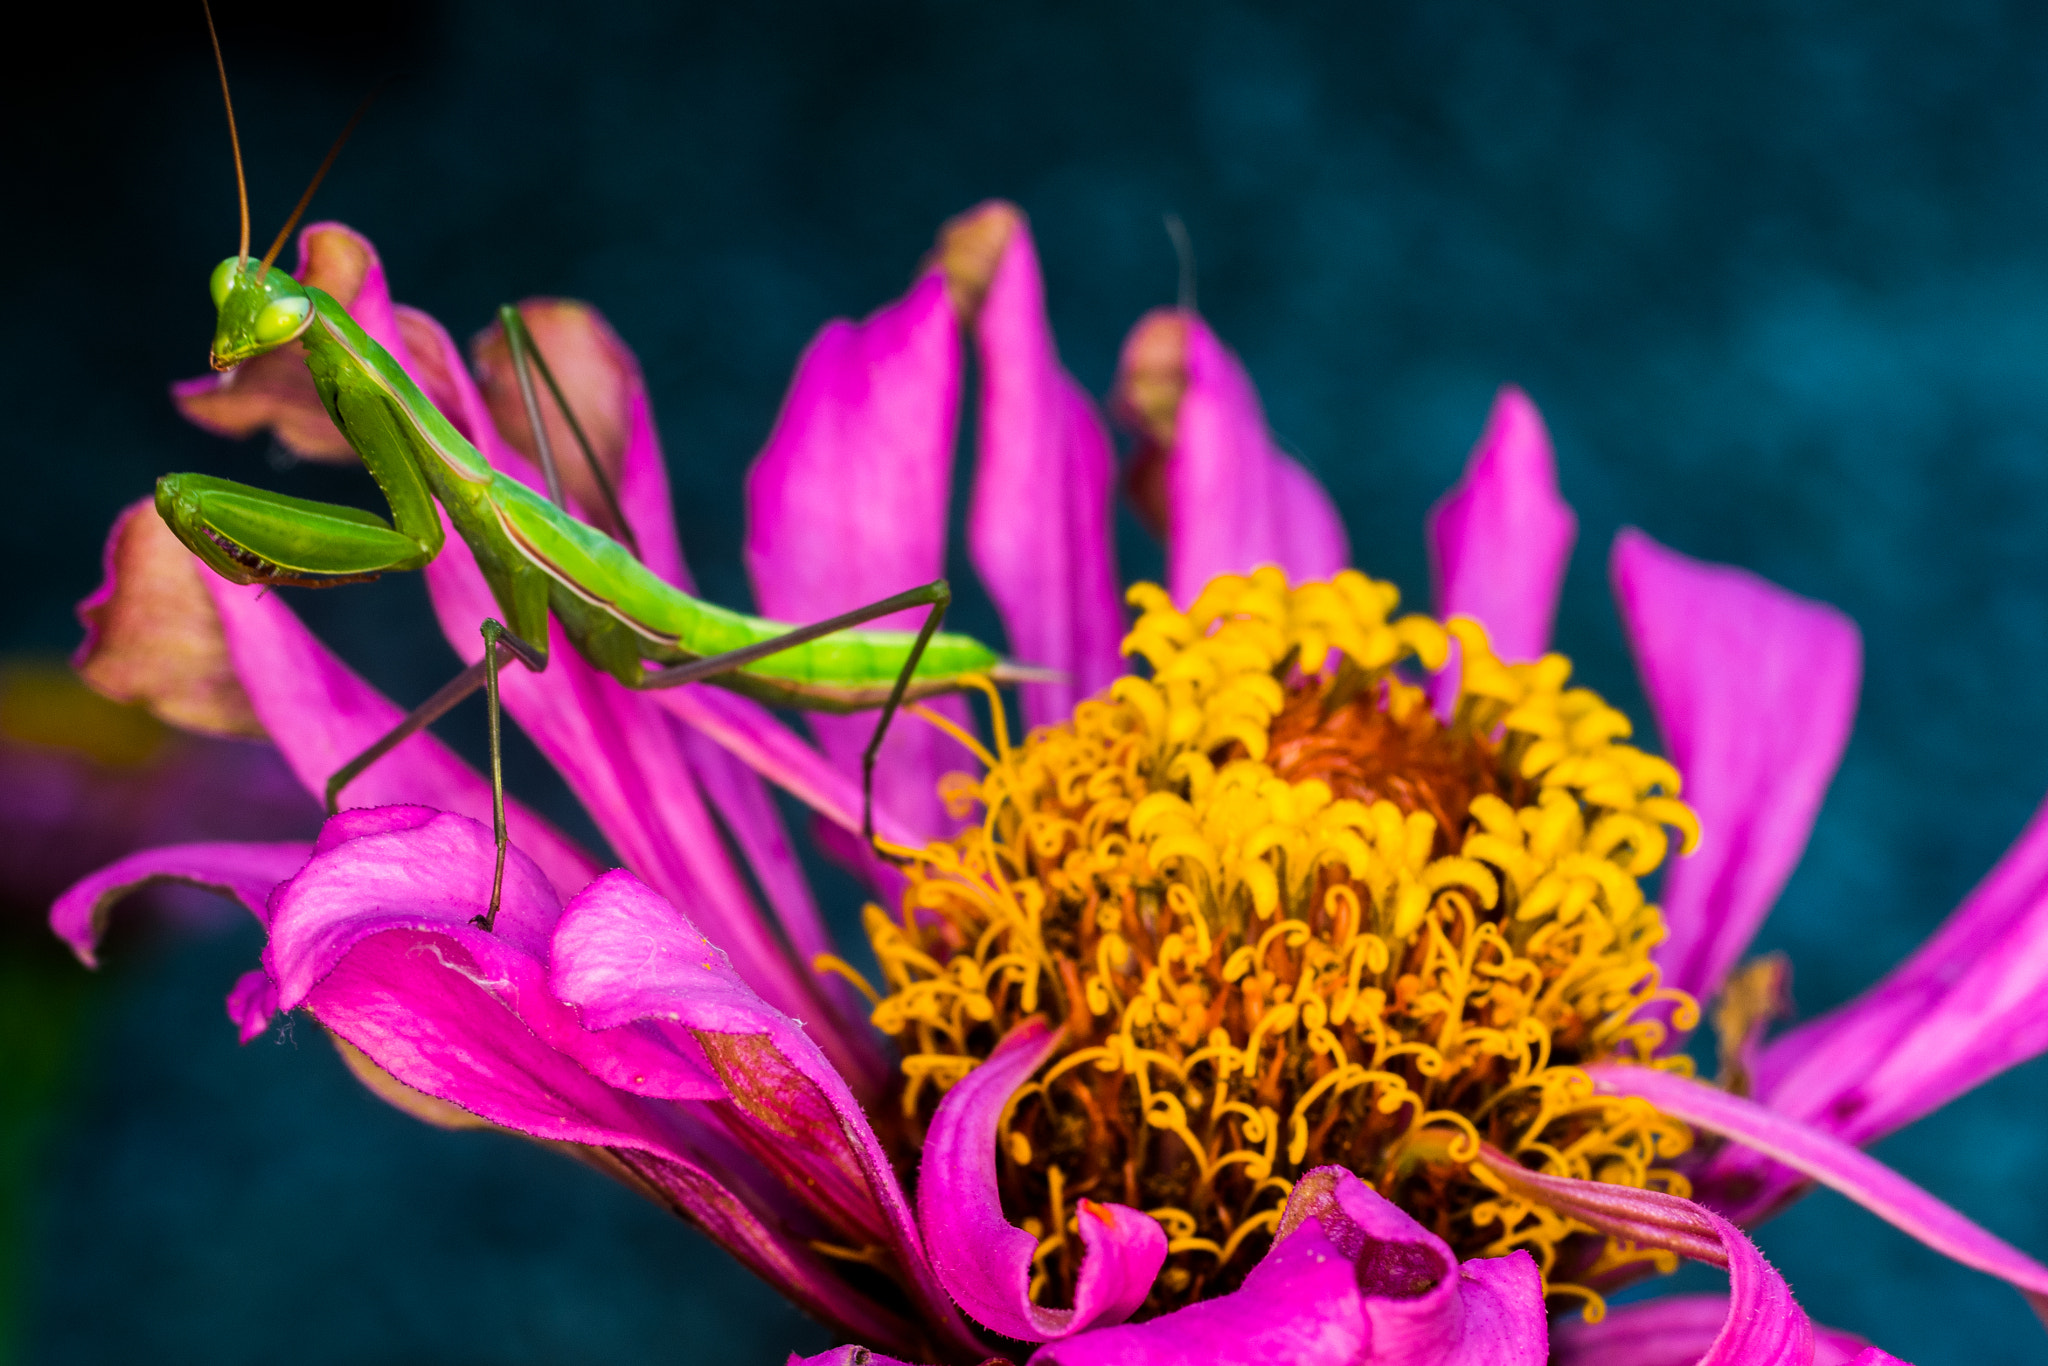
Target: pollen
[[1289, 913]]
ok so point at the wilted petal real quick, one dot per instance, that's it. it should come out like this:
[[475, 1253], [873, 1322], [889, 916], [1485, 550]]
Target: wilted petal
[[245, 872], [1754, 689], [983, 1259], [1350, 1280], [1763, 1324], [1229, 499], [1678, 1330], [1834, 1164], [1500, 541], [275, 392], [1039, 529], [633, 966], [1969, 1003], [152, 635], [847, 504]]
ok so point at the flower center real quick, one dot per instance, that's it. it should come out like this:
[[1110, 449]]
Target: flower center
[[1287, 917]]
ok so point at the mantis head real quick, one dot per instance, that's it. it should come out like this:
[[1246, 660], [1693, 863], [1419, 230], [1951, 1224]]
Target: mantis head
[[260, 310]]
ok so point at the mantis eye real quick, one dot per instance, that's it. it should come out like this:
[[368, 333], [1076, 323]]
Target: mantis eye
[[279, 320], [218, 285]]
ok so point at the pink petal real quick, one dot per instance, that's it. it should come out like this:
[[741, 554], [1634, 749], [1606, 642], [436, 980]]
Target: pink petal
[[1233, 500], [1969, 1003], [374, 937], [1833, 1164], [1754, 689], [1039, 531], [847, 504], [1677, 1330], [630, 962], [984, 1260], [323, 714], [1349, 1279], [252, 1004], [1763, 1325], [246, 872], [846, 1356], [1500, 541]]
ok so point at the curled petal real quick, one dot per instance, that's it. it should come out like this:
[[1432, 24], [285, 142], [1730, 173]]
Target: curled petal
[[252, 1003], [246, 872], [847, 505], [1039, 529], [636, 969], [1678, 1330], [1836, 1165], [1754, 689], [275, 392], [1230, 499], [983, 1259], [1350, 1278], [1762, 1326]]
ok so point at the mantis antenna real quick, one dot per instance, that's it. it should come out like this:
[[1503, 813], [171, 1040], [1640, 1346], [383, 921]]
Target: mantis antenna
[[1184, 249], [234, 137], [362, 108]]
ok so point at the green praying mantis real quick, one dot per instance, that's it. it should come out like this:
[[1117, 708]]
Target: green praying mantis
[[537, 559]]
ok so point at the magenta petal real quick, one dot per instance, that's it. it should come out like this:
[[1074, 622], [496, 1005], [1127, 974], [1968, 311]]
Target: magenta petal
[[1499, 542], [845, 1356], [1754, 689], [1039, 530], [984, 1260], [1834, 1164], [1677, 1330], [1969, 1003], [1234, 500], [246, 872], [1350, 1279], [252, 1003], [322, 714], [847, 504], [629, 961]]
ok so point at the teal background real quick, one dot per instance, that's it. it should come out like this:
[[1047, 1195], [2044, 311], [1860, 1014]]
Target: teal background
[[1775, 274]]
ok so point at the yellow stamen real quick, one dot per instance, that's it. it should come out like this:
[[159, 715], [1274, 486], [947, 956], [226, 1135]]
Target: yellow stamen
[[1288, 917]]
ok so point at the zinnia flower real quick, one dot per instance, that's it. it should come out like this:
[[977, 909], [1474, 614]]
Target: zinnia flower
[[1295, 998]]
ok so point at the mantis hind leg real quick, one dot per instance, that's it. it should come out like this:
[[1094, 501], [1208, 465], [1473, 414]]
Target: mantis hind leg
[[935, 596]]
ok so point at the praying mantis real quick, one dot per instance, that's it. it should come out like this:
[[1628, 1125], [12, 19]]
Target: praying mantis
[[538, 560]]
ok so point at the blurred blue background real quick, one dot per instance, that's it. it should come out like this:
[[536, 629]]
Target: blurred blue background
[[1776, 274]]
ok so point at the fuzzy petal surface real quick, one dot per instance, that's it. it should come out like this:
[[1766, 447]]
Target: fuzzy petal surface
[[984, 1260], [1039, 530], [1350, 1280], [1754, 689], [847, 504]]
